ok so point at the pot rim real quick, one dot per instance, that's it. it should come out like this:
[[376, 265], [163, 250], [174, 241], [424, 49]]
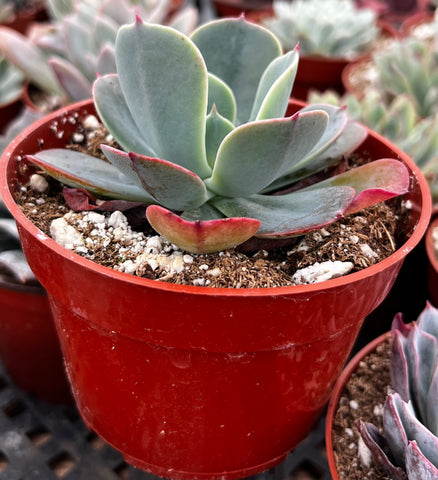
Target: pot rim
[[430, 250], [336, 394], [418, 230]]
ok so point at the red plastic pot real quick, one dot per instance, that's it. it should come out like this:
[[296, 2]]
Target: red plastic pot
[[336, 395], [29, 345], [193, 382], [432, 256]]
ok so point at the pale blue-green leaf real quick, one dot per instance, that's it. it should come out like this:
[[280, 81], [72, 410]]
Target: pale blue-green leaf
[[164, 81], [185, 20], [399, 367], [114, 113], [171, 185], [220, 94], [8, 225], [393, 427], [432, 410], [289, 215], [71, 79], [79, 170], [275, 87], [422, 363], [79, 42], [21, 52], [428, 320], [315, 160], [249, 49], [59, 9], [217, 129], [255, 154], [403, 416], [204, 212], [418, 466], [106, 61], [104, 33], [15, 262]]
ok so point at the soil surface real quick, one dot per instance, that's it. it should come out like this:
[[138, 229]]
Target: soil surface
[[363, 397]]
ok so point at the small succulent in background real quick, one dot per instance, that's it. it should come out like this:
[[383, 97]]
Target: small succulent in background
[[8, 9], [410, 66], [398, 121], [11, 81], [63, 56], [206, 142], [408, 448], [328, 28]]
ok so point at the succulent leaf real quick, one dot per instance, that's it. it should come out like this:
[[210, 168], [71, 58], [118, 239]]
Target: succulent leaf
[[275, 86], [431, 409], [201, 237], [220, 95], [418, 466], [165, 106], [249, 50], [291, 214], [399, 367], [21, 52], [79, 170], [261, 151], [106, 61], [373, 182], [112, 109], [71, 79], [217, 128], [172, 186], [378, 446]]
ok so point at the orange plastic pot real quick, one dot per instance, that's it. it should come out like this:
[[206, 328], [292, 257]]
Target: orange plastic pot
[[432, 277], [336, 395], [193, 382], [29, 345]]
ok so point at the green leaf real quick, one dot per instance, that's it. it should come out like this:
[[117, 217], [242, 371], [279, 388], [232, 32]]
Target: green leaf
[[249, 50], [255, 154], [218, 128], [166, 94], [373, 182], [172, 186], [201, 236], [220, 94], [79, 170], [275, 87], [114, 113], [292, 214]]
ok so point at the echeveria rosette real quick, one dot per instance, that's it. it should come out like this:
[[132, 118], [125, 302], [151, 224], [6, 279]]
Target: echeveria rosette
[[205, 141], [408, 448]]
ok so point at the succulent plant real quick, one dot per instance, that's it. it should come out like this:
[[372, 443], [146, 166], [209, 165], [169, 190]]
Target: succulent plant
[[410, 66], [63, 57], [201, 121], [329, 28], [396, 119], [408, 448], [12, 82]]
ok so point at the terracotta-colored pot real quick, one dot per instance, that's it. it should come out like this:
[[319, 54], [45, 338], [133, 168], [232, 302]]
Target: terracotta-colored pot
[[233, 8], [432, 256], [336, 395], [29, 345], [413, 21], [195, 382]]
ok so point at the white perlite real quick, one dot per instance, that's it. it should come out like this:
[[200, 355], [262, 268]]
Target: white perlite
[[64, 234], [320, 272], [364, 453]]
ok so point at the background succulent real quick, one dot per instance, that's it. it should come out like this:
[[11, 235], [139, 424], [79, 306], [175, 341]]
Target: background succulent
[[8, 8], [62, 57], [201, 121], [397, 120], [330, 28], [11, 81], [408, 448]]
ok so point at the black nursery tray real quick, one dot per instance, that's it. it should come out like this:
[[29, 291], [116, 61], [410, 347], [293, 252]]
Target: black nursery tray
[[42, 441]]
